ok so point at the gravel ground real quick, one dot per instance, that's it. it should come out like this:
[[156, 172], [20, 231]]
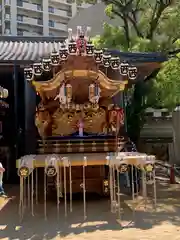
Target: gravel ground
[[147, 225]]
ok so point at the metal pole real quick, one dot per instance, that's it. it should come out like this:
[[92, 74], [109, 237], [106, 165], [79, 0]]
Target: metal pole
[[154, 187], [65, 187], [70, 186], [58, 190], [124, 107], [84, 186], [15, 83], [45, 195], [118, 193], [32, 193], [36, 185]]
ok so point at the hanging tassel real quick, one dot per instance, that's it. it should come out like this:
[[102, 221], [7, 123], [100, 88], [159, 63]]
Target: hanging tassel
[[68, 92], [91, 92]]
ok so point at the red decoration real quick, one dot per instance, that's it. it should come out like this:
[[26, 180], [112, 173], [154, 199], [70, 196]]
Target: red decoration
[[120, 116], [117, 115], [81, 45]]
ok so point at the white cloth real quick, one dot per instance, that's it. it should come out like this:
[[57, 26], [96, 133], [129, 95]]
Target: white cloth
[[1, 174]]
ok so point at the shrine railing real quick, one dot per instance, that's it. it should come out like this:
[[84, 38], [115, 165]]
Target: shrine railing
[[78, 145]]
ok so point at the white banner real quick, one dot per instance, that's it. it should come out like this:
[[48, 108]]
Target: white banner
[[66, 161], [26, 165], [52, 160], [27, 161], [51, 165]]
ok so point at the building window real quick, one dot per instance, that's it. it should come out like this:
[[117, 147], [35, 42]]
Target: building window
[[7, 2], [7, 31], [7, 16], [20, 18], [51, 23], [20, 32], [19, 3], [39, 21], [51, 10], [69, 13], [39, 32], [39, 7]]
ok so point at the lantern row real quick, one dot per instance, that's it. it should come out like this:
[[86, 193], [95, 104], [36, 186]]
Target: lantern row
[[57, 58]]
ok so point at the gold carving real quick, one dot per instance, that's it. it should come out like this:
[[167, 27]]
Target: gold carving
[[43, 123], [50, 88], [94, 121], [66, 123]]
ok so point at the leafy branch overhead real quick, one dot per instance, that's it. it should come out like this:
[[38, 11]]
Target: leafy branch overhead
[[146, 19], [146, 26]]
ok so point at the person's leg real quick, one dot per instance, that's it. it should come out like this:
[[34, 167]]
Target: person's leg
[[134, 179], [127, 179], [122, 180], [1, 190]]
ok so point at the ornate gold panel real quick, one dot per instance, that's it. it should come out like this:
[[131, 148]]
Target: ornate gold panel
[[94, 122], [66, 123], [109, 87], [43, 123]]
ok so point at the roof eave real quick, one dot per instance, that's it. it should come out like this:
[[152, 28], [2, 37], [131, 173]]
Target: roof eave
[[33, 39]]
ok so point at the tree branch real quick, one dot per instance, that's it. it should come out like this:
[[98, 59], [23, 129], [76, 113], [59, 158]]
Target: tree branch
[[174, 52], [134, 23], [126, 26], [160, 6], [125, 11]]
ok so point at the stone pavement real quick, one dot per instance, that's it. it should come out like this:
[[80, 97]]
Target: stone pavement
[[149, 224]]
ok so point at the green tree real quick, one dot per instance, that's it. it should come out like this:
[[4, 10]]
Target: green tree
[[166, 86], [146, 26]]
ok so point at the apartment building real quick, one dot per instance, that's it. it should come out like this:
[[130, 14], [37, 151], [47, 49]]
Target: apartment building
[[37, 17]]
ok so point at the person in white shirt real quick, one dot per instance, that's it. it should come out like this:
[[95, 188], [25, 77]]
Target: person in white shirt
[[1, 180]]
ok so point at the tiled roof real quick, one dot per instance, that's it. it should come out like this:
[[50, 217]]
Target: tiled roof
[[30, 49], [27, 48], [140, 56]]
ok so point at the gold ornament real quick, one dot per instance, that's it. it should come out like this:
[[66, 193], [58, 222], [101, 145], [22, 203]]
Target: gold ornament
[[23, 172], [148, 168], [123, 168], [51, 171]]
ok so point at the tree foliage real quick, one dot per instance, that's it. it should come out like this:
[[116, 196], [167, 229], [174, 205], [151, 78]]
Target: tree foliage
[[146, 26], [166, 86]]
